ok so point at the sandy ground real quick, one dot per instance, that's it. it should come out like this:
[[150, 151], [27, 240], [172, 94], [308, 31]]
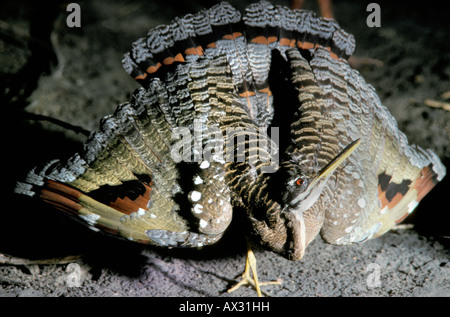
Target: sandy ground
[[75, 75]]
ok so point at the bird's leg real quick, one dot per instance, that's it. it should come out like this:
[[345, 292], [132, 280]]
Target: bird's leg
[[297, 4], [325, 7], [326, 11], [246, 277]]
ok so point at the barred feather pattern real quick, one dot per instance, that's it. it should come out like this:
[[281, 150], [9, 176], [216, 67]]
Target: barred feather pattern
[[206, 74]]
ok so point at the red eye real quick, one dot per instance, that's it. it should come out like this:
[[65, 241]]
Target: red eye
[[299, 181]]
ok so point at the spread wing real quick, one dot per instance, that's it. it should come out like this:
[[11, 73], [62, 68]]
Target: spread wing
[[201, 73], [144, 175], [385, 178], [126, 182]]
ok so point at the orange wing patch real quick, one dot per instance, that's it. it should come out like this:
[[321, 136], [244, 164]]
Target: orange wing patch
[[287, 42], [153, 69], [127, 205], [426, 181], [232, 36], [266, 91], [399, 200], [170, 60], [141, 77], [194, 51], [61, 197], [390, 193], [305, 45], [264, 40], [246, 94]]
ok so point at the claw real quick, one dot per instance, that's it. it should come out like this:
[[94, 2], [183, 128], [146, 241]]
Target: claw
[[246, 277]]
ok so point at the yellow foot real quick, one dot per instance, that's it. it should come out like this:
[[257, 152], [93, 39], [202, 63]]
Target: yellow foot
[[248, 280]]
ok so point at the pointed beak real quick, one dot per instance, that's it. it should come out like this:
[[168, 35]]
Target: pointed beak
[[336, 161]]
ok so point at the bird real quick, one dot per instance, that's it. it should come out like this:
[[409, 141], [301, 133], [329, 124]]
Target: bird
[[257, 113]]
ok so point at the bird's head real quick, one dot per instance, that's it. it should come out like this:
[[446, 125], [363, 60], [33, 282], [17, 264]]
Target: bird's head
[[285, 222]]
